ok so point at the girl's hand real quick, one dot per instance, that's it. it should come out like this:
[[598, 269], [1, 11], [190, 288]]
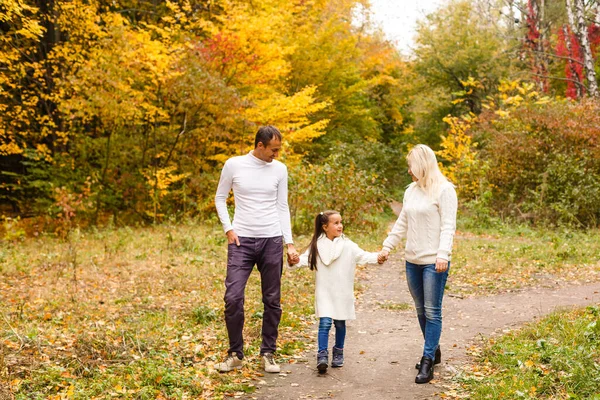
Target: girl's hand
[[441, 265], [293, 261]]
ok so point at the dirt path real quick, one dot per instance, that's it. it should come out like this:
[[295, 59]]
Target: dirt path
[[382, 345]]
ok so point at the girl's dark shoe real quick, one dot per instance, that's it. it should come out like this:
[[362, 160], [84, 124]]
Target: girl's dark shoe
[[437, 360], [426, 371], [338, 358], [322, 361]]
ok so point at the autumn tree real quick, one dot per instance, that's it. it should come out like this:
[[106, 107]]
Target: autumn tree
[[576, 11], [138, 104], [454, 44]]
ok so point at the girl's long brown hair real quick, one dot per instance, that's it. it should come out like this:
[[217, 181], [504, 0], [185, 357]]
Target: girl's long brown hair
[[320, 220]]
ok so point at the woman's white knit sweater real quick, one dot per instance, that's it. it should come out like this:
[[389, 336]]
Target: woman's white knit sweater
[[427, 224]]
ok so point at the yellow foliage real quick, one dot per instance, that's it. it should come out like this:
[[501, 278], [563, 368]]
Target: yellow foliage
[[220, 158], [254, 30], [471, 83], [160, 181], [513, 94], [291, 114], [7, 149], [162, 178], [464, 167]]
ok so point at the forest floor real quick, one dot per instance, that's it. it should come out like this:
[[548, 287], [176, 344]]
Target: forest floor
[[384, 342], [137, 312]]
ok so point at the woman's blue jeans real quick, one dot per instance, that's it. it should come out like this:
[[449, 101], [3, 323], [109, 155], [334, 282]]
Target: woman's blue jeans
[[426, 286], [325, 326]]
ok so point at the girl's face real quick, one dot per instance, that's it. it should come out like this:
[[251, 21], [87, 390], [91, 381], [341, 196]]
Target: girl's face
[[334, 227]]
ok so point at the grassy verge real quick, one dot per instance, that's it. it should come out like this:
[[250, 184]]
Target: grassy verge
[[555, 358], [134, 313], [138, 312], [504, 258]]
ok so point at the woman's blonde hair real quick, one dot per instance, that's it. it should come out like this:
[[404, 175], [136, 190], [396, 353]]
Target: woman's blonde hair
[[424, 166]]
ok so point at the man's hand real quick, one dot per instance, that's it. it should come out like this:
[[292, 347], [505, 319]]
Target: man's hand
[[232, 237], [383, 256], [292, 255], [441, 265]]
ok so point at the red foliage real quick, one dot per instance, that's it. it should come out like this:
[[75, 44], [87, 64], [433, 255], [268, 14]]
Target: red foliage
[[532, 42], [224, 52], [533, 34], [575, 54], [594, 35]]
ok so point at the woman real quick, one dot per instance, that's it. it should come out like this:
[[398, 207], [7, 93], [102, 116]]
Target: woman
[[428, 222]]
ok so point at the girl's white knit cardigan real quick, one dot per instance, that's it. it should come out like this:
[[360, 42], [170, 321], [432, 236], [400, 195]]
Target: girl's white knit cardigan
[[334, 277]]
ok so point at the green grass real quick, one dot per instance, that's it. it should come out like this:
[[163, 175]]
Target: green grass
[[557, 357], [391, 306], [130, 312], [138, 312], [505, 257], [135, 313]]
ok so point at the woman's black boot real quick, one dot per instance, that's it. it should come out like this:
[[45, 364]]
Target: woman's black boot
[[436, 361], [425, 371]]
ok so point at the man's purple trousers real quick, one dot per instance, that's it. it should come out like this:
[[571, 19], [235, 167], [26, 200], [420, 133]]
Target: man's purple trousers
[[267, 255]]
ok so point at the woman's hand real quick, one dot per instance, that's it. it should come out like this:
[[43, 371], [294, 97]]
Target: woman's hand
[[383, 256], [441, 265]]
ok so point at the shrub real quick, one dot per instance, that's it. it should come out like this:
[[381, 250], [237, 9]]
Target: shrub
[[335, 185], [544, 161]]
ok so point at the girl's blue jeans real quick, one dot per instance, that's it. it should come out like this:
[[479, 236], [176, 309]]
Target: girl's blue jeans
[[325, 326], [426, 286]]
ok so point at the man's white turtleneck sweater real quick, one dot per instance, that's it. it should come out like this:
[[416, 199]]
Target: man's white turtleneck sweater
[[260, 194], [427, 224]]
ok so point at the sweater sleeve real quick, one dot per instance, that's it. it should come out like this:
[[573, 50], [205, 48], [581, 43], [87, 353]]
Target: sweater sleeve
[[283, 208], [225, 184], [400, 227], [362, 257], [448, 204]]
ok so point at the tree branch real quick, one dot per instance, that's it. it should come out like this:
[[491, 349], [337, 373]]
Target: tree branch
[[560, 79], [557, 56], [177, 138]]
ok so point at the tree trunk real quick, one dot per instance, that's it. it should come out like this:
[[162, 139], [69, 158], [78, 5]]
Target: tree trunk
[[574, 74], [103, 177], [536, 39], [582, 36], [541, 46], [511, 16]]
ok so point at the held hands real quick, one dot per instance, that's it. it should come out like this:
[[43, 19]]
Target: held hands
[[441, 265], [292, 255], [383, 256]]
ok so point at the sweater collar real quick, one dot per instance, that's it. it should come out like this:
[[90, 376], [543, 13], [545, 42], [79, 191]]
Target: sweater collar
[[330, 250], [255, 159]]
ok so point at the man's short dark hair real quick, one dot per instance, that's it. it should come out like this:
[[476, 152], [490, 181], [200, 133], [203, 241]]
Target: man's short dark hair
[[265, 134]]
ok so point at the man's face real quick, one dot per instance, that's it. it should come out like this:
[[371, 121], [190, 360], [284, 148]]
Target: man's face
[[269, 152]]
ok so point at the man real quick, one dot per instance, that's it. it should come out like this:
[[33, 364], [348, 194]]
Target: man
[[261, 226]]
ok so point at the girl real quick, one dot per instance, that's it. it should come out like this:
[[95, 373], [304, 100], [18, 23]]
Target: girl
[[428, 222], [333, 257]]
